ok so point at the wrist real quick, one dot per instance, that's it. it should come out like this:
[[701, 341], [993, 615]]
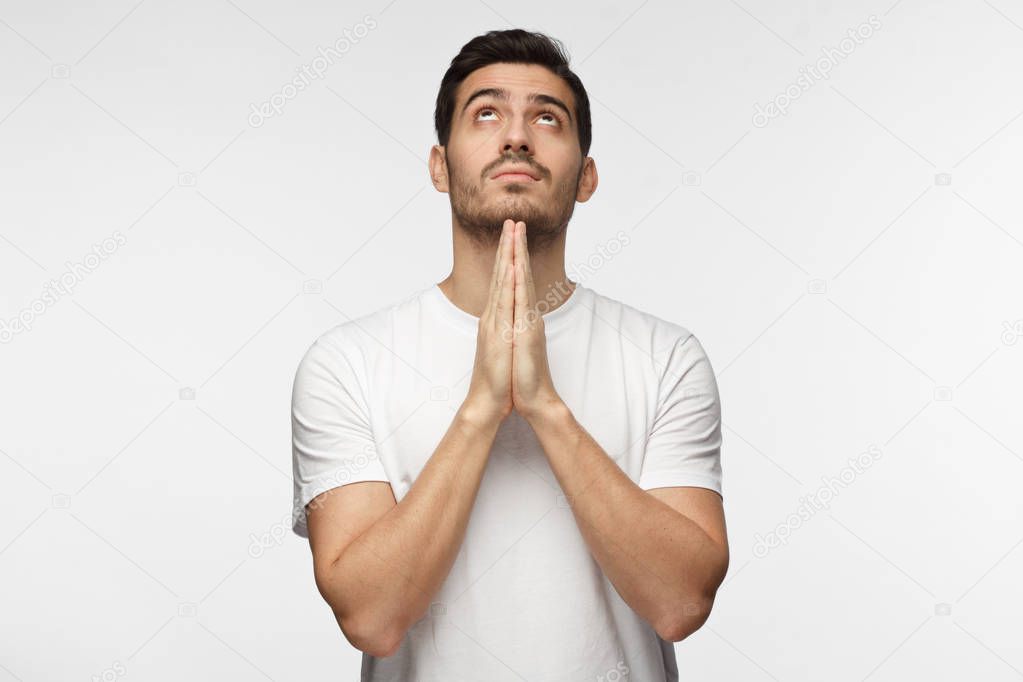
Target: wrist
[[478, 418], [551, 411]]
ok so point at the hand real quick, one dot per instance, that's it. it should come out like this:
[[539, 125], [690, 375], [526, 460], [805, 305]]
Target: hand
[[490, 392], [532, 386]]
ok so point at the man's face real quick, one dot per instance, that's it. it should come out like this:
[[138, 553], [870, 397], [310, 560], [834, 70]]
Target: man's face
[[531, 128]]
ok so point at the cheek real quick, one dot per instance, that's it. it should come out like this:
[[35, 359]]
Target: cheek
[[458, 166], [567, 175], [466, 162]]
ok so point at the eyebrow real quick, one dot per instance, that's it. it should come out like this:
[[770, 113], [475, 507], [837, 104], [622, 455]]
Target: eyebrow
[[533, 97]]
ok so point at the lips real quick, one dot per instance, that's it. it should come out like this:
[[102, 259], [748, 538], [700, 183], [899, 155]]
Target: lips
[[515, 170]]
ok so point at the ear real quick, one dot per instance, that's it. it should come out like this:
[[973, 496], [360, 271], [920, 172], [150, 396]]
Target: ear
[[439, 168], [587, 180]]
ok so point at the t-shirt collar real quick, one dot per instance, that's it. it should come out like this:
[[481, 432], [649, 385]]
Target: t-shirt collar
[[553, 320]]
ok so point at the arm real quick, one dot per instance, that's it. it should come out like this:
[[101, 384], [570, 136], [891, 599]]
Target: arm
[[667, 565], [665, 554], [378, 564], [382, 582], [666, 557]]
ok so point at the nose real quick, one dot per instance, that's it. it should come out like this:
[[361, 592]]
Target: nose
[[516, 137], [516, 146]]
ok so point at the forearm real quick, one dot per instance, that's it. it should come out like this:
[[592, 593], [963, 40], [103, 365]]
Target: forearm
[[661, 562], [383, 582]]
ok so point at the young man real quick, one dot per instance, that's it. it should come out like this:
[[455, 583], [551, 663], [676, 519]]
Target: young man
[[506, 475]]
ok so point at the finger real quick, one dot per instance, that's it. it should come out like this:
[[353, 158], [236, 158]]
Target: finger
[[499, 269], [522, 252], [507, 276], [530, 289], [522, 247], [521, 293], [495, 274], [506, 316]]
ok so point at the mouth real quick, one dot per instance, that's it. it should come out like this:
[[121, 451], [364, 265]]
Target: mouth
[[515, 174], [515, 177]]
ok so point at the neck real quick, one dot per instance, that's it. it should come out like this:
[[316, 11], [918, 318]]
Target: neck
[[468, 284]]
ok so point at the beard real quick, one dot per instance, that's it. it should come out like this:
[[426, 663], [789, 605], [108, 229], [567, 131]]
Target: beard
[[483, 221]]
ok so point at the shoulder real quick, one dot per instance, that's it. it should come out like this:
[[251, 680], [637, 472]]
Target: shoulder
[[356, 339], [667, 350], [655, 335]]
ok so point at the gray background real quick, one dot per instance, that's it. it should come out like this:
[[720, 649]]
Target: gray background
[[853, 268]]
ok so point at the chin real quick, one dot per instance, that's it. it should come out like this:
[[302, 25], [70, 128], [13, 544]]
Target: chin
[[514, 203]]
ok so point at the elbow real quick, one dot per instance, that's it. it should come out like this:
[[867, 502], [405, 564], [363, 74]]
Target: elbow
[[362, 630], [685, 619], [375, 641], [368, 632]]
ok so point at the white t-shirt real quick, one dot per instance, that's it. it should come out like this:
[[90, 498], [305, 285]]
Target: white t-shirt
[[525, 599]]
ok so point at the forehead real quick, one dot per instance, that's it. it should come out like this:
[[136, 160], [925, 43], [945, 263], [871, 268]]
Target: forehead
[[519, 80]]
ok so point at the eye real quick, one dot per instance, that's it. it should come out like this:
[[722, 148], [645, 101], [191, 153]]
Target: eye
[[553, 116]]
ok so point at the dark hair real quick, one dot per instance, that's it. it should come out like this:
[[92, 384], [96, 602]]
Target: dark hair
[[514, 46]]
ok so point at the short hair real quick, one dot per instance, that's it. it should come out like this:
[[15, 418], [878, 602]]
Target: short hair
[[513, 46]]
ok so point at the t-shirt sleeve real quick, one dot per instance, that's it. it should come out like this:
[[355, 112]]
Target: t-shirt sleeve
[[684, 445], [331, 436]]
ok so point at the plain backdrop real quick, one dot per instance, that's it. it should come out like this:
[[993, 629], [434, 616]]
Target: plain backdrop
[[853, 266]]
